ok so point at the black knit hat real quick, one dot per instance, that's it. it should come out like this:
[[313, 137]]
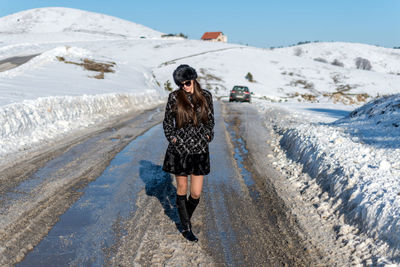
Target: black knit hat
[[184, 73]]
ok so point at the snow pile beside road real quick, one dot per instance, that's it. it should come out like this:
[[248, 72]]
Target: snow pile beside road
[[33, 122], [355, 162], [376, 123]]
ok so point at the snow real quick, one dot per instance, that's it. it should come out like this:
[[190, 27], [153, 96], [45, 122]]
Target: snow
[[354, 160], [32, 122], [350, 150], [47, 20], [382, 59]]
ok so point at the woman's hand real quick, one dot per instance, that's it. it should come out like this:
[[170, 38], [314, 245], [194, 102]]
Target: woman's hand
[[208, 137], [174, 140]]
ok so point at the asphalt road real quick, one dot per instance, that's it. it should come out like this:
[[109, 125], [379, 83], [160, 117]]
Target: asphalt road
[[13, 62], [102, 199]]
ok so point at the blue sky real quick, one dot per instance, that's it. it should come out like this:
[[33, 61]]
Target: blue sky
[[261, 23]]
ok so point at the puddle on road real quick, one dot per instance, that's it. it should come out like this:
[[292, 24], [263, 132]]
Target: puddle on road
[[229, 190], [240, 156], [86, 230]]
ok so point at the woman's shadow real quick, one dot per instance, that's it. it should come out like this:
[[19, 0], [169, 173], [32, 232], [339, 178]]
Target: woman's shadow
[[159, 184]]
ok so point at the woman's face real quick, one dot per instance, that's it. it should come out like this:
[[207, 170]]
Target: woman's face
[[188, 86]]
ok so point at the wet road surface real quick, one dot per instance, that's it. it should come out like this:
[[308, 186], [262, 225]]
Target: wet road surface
[[126, 215], [247, 223], [88, 228], [37, 191]]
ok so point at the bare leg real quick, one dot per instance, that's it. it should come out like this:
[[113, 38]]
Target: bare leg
[[182, 185], [196, 185]]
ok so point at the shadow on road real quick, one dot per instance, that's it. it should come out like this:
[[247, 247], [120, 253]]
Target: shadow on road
[[159, 184]]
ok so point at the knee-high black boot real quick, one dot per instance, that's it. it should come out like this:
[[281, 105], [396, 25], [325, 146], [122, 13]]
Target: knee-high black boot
[[185, 221], [191, 205]]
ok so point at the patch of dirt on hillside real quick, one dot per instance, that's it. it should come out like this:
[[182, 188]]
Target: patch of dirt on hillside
[[92, 65]]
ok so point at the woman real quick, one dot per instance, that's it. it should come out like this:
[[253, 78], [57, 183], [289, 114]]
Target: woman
[[188, 125]]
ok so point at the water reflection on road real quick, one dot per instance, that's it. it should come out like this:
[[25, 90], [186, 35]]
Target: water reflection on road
[[87, 229]]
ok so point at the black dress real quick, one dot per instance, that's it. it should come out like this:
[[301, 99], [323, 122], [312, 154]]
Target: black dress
[[189, 154]]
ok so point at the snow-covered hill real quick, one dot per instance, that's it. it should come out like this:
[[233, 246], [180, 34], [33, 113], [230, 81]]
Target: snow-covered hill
[[57, 19], [382, 59], [283, 77]]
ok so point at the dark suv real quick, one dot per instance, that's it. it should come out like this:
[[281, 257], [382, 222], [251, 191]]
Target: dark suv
[[240, 93]]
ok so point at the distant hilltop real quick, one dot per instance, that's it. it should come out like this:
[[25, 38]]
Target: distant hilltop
[[60, 19]]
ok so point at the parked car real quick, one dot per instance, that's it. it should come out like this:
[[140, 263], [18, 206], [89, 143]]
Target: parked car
[[240, 93]]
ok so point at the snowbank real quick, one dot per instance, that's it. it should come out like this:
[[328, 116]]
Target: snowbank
[[32, 122], [356, 161]]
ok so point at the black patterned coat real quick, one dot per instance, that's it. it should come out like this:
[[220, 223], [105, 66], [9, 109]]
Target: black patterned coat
[[189, 139]]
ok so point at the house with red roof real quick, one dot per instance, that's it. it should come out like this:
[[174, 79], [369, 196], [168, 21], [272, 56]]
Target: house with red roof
[[214, 37]]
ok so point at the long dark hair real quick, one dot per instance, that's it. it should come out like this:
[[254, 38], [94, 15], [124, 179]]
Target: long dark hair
[[184, 109]]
